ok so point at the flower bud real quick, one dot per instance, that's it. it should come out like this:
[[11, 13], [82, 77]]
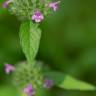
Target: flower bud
[[25, 8]]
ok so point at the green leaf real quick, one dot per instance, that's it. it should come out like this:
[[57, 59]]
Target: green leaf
[[67, 82], [30, 36]]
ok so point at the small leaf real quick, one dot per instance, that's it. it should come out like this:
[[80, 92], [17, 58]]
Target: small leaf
[[67, 82], [30, 36]]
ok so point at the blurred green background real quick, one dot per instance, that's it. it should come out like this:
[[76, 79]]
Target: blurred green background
[[68, 44]]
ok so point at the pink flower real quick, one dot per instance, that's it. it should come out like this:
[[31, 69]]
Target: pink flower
[[9, 68], [29, 90], [37, 17], [6, 3], [48, 83], [54, 5]]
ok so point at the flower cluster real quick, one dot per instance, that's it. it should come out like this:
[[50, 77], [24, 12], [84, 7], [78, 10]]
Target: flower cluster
[[28, 78], [31, 9]]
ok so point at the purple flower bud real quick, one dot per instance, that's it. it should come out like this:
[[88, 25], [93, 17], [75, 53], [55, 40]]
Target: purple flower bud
[[9, 68], [54, 5], [37, 17], [29, 90], [48, 84], [6, 3]]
